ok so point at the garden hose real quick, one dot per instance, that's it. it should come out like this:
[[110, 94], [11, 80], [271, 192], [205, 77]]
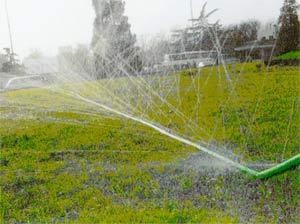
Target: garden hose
[[265, 174], [278, 169]]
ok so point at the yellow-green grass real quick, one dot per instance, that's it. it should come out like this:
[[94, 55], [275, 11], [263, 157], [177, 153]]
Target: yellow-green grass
[[65, 161], [292, 55], [255, 114]]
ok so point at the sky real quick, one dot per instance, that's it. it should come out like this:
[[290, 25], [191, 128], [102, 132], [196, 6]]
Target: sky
[[47, 24]]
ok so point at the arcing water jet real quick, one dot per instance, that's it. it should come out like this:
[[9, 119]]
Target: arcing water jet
[[265, 174]]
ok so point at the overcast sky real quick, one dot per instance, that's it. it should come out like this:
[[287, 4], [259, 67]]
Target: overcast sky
[[48, 24]]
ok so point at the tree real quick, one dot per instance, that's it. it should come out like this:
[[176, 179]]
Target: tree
[[65, 58], [289, 32], [113, 43], [83, 59], [154, 49], [76, 60], [239, 34], [10, 64], [35, 54]]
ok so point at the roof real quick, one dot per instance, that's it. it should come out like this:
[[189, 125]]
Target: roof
[[192, 52], [254, 46]]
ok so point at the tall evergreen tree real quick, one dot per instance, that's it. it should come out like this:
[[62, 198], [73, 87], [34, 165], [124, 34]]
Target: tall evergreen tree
[[289, 33], [113, 43]]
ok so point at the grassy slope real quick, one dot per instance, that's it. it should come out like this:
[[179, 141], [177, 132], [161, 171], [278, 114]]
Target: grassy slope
[[258, 116], [98, 171], [289, 56], [62, 166]]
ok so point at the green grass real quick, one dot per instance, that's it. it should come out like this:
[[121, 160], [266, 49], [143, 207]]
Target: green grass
[[65, 161], [292, 55]]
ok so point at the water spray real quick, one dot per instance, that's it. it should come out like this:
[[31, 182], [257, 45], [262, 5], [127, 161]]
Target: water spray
[[117, 66], [265, 174]]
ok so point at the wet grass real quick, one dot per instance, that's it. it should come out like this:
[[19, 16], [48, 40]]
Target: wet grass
[[292, 55], [70, 162]]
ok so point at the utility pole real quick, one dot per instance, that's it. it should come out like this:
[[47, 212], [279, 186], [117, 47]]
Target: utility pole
[[193, 23], [10, 34], [192, 11]]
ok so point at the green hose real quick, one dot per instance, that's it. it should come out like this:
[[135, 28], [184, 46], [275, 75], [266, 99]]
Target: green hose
[[289, 164], [280, 168]]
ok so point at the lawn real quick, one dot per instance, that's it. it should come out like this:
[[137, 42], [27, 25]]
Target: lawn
[[292, 55], [65, 161]]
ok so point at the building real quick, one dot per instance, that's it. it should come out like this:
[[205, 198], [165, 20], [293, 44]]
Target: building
[[256, 50], [182, 40], [190, 59], [261, 49]]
